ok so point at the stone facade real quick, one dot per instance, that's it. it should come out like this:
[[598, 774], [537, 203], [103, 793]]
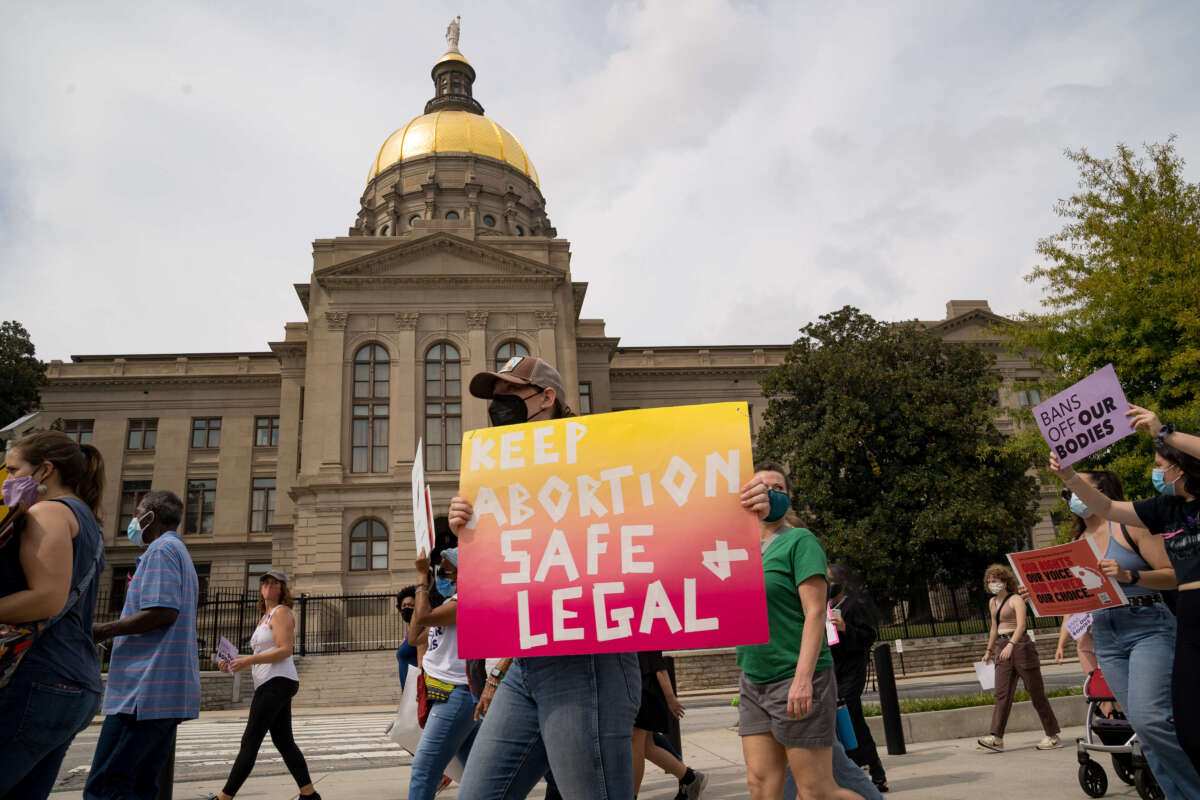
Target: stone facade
[[451, 252]]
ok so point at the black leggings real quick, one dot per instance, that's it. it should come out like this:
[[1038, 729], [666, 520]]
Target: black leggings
[[1185, 689], [270, 710]]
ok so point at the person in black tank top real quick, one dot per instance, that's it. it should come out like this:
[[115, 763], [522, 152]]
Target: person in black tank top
[[1173, 515], [49, 566]]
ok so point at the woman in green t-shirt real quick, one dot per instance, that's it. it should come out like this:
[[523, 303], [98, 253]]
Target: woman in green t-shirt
[[787, 702]]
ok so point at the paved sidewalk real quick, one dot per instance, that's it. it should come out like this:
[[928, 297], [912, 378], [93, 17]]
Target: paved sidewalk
[[946, 770]]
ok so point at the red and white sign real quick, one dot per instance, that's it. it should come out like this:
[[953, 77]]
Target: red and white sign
[[1066, 579]]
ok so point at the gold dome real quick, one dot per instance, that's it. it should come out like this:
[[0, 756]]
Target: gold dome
[[453, 132]]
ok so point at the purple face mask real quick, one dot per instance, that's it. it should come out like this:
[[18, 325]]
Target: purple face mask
[[20, 491]]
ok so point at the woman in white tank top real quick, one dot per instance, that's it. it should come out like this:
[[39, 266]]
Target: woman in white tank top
[[275, 684]]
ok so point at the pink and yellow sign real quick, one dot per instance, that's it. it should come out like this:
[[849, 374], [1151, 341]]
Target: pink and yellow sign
[[610, 533]]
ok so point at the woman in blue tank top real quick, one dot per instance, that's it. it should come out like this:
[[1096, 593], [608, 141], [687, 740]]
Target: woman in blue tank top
[[1135, 644], [53, 563]]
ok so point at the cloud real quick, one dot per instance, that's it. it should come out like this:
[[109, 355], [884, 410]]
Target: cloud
[[726, 171]]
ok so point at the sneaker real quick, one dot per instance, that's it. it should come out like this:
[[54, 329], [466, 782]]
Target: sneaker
[[1049, 743], [992, 743], [446, 781], [695, 789]]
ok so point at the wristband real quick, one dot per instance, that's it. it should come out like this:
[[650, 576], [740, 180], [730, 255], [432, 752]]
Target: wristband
[[422, 587], [1166, 430], [1134, 576], [492, 682]]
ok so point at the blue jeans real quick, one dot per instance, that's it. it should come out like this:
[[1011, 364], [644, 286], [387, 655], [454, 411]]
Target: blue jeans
[[41, 715], [406, 656], [571, 714], [130, 754], [1135, 646], [449, 732], [846, 774]]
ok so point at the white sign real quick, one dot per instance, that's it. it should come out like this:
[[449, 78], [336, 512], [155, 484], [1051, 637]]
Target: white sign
[[985, 671], [225, 650], [1078, 625], [422, 525]]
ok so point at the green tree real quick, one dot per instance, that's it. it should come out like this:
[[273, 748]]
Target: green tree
[[887, 431], [1121, 284], [21, 374]]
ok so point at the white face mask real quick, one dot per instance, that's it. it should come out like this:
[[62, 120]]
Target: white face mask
[[995, 588]]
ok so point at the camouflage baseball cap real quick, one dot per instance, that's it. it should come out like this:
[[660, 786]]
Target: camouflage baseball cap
[[522, 370]]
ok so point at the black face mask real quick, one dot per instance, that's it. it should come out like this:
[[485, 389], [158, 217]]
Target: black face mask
[[508, 409], [406, 614]]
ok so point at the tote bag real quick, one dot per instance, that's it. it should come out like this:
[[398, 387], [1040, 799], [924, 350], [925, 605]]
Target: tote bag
[[406, 731]]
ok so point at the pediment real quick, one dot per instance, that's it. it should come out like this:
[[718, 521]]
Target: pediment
[[974, 325], [439, 257]]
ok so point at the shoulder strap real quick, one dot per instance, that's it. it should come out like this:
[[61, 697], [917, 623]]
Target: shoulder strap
[[1131, 543], [80, 589]]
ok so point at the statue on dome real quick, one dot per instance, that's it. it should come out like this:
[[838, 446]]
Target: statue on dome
[[452, 34]]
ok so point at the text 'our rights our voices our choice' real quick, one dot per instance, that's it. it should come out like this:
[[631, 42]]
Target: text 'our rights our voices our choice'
[[613, 532]]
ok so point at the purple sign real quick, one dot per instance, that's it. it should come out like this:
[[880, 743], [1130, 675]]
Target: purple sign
[[1086, 418]]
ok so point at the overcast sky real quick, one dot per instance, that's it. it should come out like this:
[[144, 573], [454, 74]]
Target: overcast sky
[[725, 171]]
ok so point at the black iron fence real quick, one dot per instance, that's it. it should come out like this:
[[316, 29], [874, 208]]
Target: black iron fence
[[344, 623], [348, 623], [946, 612]]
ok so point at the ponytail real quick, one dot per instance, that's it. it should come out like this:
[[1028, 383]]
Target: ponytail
[[80, 467], [91, 483]]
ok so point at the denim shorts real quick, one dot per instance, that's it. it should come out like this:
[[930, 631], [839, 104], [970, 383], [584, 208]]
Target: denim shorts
[[762, 708]]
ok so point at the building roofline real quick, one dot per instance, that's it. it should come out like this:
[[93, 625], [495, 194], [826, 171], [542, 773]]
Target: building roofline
[[158, 356]]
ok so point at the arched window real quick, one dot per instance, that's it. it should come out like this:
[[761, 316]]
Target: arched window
[[489, 220], [369, 423], [384, 230], [443, 408], [368, 545], [413, 220], [507, 350], [520, 231], [452, 216]]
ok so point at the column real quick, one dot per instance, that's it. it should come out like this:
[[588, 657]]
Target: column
[[407, 388], [323, 397], [475, 410]]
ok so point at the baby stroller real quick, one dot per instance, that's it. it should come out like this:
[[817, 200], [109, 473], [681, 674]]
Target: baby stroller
[[1113, 735]]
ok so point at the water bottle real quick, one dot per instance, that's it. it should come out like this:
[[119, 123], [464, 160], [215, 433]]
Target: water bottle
[[845, 728]]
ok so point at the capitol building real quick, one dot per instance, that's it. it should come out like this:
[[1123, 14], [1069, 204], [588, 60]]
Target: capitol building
[[299, 455]]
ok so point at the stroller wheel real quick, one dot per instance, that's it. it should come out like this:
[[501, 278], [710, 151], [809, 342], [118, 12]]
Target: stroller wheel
[[1123, 766], [1147, 787], [1092, 779]]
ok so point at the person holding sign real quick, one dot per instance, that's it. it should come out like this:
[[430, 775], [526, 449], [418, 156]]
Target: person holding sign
[[275, 684], [1135, 643], [571, 715], [1175, 514], [450, 729], [856, 619], [1017, 657], [787, 698]]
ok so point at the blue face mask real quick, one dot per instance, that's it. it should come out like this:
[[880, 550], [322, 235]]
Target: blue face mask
[[1159, 477], [780, 503], [445, 587], [1078, 508], [134, 531]]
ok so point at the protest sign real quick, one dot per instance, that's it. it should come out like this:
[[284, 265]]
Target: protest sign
[[225, 650], [1066, 579], [831, 631], [422, 514], [1078, 625], [985, 673], [1085, 418], [610, 533]]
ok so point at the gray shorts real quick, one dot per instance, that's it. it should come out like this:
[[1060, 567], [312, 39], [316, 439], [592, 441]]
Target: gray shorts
[[762, 708]]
